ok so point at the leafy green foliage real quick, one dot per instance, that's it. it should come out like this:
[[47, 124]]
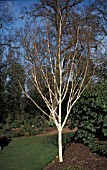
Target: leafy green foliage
[[2, 89], [10, 92], [90, 116], [100, 148], [13, 92]]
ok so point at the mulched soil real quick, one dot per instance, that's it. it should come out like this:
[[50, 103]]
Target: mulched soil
[[77, 154]]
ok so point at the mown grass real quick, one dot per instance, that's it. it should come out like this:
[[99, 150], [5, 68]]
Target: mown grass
[[29, 153]]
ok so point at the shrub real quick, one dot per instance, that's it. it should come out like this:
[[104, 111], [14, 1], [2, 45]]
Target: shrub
[[100, 148], [17, 132], [5, 131], [16, 124], [1, 125], [26, 134], [39, 121], [90, 116]]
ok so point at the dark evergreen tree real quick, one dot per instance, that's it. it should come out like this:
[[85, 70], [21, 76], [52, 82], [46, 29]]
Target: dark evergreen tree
[[14, 93], [2, 88]]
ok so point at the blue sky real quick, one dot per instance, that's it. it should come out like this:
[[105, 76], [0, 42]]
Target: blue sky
[[22, 3], [18, 4]]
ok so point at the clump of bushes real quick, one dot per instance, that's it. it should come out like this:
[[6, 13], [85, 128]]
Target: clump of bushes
[[26, 127], [24, 131], [17, 132], [90, 116]]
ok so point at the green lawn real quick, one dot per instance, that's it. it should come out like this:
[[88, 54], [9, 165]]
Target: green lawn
[[28, 153]]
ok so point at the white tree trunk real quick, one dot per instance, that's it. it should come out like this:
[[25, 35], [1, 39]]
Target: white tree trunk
[[60, 144]]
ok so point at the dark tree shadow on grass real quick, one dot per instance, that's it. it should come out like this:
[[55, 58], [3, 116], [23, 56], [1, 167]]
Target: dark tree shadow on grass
[[66, 140], [4, 142]]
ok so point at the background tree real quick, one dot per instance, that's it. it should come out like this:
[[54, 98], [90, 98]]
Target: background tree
[[6, 16], [13, 92], [101, 68], [2, 85], [10, 91]]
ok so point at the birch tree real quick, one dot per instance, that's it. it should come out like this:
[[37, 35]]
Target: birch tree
[[53, 60]]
